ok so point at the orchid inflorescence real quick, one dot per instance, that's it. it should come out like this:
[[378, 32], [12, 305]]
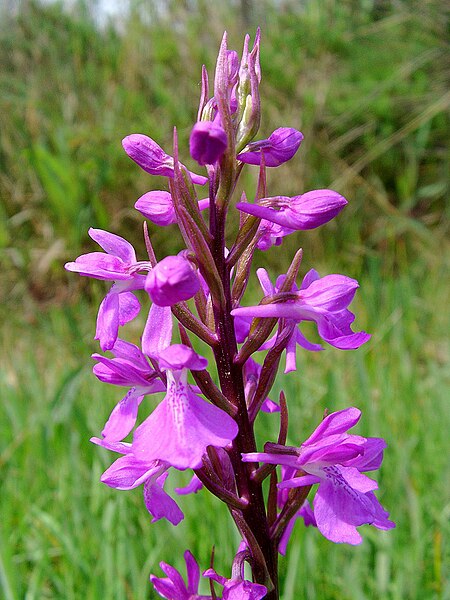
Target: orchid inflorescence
[[205, 421]]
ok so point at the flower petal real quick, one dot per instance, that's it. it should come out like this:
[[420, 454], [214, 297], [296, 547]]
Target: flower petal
[[114, 244], [99, 266], [330, 293], [123, 417], [194, 486], [157, 206], [108, 321], [181, 428], [127, 473], [160, 505], [345, 501], [193, 573], [334, 424], [179, 356], [157, 333], [129, 307]]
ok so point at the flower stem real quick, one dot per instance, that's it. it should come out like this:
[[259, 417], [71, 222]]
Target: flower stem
[[251, 520]]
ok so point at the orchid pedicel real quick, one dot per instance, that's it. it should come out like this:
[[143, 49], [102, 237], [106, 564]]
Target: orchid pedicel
[[206, 420]]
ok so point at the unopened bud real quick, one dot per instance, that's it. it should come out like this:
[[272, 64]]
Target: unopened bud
[[278, 148], [151, 157], [172, 280], [157, 206], [208, 142]]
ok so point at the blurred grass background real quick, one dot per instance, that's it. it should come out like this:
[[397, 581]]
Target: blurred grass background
[[366, 81]]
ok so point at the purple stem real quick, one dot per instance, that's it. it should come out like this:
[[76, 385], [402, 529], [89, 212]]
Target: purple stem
[[254, 517]]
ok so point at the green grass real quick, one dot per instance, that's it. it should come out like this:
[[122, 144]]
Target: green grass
[[65, 535]]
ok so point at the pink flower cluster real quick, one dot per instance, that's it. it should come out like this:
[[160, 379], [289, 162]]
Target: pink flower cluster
[[204, 421]]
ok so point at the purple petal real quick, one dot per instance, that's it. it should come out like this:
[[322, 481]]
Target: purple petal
[[331, 449], [306, 344], [203, 203], [264, 281], [123, 417], [172, 280], [151, 157], [211, 574], [114, 244], [263, 212], [148, 155], [313, 209], [371, 457], [176, 579], [130, 352], [296, 482], [282, 545], [271, 234], [194, 486], [280, 147], [109, 375], [330, 333], [308, 211], [243, 590], [335, 424], [291, 353], [165, 588], [271, 459], [108, 321], [269, 406], [307, 514], [190, 425], [350, 477], [179, 356], [129, 307], [241, 328], [121, 447], [330, 293], [158, 330], [207, 143], [193, 573], [157, 206], [311, 275], [99, 266], [198, 179], [281, 310], [343, 502], [127, 473], [326, 510], [380, 516], [160, 505], [119, 372]]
